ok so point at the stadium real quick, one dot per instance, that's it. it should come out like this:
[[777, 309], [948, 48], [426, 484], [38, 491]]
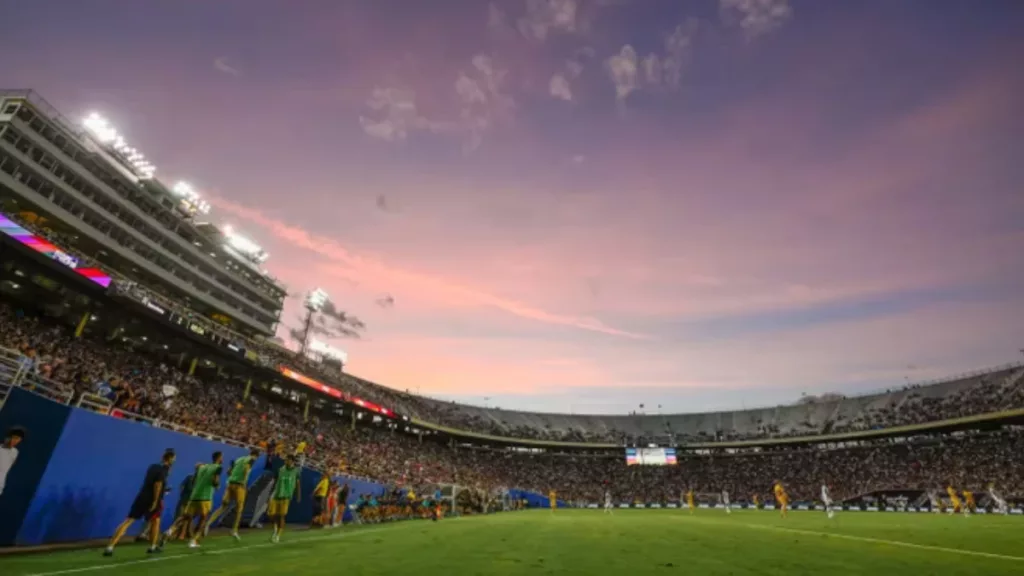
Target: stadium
[[130, 325]]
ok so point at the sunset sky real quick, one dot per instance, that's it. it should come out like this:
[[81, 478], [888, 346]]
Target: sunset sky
[[587, 205]]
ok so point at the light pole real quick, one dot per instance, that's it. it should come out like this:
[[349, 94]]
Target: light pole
[[315, 302]]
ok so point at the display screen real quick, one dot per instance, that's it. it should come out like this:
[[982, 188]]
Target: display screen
[[334, 392], [651, 457], [41, 245]]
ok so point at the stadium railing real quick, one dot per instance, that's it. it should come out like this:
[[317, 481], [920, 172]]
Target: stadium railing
[[16, 372]]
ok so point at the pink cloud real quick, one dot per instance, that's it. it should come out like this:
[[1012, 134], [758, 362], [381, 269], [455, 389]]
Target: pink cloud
[[378, 273]]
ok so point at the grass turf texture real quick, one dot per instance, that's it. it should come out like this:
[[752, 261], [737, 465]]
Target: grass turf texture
[[635, 542]]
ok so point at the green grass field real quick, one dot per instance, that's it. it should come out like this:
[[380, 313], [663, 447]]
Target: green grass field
[[630, 542]]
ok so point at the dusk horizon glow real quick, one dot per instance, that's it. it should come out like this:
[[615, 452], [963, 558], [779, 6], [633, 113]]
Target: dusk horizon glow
[[588, 205]]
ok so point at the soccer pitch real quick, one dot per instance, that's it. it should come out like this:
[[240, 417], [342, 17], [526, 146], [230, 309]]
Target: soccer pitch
[[631, 542]]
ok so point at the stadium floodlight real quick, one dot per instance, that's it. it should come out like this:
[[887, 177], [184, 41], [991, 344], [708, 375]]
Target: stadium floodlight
[[245, 246], [190, 198], [316, 300], [105, 134], [100, 128]]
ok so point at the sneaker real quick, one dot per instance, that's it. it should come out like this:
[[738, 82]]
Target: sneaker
[[236, 536], [108, 552], [193, 544], [152, 550]]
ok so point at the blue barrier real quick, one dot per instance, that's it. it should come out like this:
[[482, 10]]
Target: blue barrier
[[78, 471], [44, 420], [96, 470], [534, 500]]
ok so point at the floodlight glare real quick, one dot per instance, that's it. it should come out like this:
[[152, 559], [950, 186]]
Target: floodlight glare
[[317, 299], [100, 128]]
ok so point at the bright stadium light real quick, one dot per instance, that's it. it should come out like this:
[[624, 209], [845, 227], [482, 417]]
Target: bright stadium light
[[245, 246], [190, 199], [100, 128], [316, 300], [105, 134]]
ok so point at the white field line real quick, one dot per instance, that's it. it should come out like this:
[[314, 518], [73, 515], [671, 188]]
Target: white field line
[[868, 540], [200, 553]]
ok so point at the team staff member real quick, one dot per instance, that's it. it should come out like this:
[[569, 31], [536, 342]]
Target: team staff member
[[148, 504], [238, 481], [9, 452], [286, 487]]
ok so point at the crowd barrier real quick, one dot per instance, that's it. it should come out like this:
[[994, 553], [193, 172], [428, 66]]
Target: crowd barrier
[[78, 471]]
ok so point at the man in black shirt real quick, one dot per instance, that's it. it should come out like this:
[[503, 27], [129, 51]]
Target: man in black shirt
[[148, 504]]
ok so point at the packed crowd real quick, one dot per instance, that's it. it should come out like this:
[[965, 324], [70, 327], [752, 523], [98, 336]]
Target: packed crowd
[[157, 388]]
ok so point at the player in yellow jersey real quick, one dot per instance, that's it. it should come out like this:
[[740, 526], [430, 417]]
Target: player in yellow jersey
[[234, 496], [969, 506], [954, 500], [689, 501], [320, 491], [757, 502], [781, 499], [552, 500]]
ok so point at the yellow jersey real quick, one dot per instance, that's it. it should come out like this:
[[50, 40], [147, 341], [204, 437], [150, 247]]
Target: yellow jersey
[[780, 493], [321, 487]]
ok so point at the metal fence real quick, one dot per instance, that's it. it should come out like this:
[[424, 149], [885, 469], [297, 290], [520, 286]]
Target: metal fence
[[18, 371]]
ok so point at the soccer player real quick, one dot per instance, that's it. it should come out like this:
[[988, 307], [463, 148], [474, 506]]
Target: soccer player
[[757, 502], [725, 502], [552, 500], [148, 504], [286, 487], [781, 499], [969, 506], [9, 452], [954, 500], [607, 502], [320, 500], [238, 482], [689, 501], [826, 499], [998, 503], [204, 483]]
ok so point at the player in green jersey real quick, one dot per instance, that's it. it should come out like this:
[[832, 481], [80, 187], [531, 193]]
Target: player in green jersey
[[204, 485], [286, 487], [238, 481]]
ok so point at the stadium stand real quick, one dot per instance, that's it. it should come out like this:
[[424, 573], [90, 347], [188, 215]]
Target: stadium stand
[[133, 383]]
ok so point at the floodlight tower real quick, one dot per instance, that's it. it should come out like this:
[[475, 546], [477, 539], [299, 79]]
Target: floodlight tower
[[315, 302]]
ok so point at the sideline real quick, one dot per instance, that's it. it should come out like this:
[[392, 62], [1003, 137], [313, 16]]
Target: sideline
[[99, 567], [866, 539]]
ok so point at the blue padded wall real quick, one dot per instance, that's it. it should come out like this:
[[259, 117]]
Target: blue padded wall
[[43, 420], [96, 470]]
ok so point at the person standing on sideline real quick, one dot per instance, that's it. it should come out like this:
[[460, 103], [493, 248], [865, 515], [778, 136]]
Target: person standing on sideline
[[9, 452], [285, 488], [148, 504]]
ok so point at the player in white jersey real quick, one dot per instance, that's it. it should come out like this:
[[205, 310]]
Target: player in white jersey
[[725, 502], [998, 503], [607, 502], [826, 499]]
